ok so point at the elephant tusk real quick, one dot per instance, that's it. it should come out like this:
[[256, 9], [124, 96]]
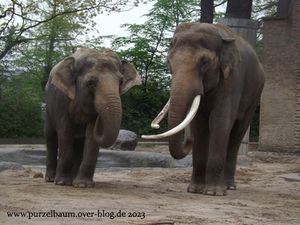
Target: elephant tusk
[[160, 116], [190, 116]]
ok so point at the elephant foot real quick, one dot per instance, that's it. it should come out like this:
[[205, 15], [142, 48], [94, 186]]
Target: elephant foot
[[215, 190], [231, 187], [50, 176], [196, 188], [49, 179], [63, 181], [83, 183]]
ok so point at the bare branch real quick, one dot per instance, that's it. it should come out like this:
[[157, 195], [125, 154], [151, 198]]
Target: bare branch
[[14, 36], [10, 45], [221, 3], [265, 7]]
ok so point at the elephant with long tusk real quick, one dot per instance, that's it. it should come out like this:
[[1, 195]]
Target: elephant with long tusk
[[215, 63], [189, 117]]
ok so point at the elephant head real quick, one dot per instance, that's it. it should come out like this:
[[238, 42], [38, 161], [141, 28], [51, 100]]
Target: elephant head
[[93, 81], [200, 57]]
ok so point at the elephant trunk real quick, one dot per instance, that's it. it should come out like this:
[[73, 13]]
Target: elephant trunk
[[183, 106], [182, 102], [109, 118], [177, 112]]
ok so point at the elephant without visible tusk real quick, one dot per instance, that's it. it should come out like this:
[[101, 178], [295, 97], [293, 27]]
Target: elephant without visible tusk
[[190, 116]]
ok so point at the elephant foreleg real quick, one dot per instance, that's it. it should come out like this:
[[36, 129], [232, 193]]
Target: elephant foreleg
[[77, 158], [220, 125], [86, 171], [237, 134], [200, 150]]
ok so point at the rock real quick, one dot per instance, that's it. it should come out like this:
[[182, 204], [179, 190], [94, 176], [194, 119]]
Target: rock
[[127, 140], [38, 175], [291, 177], [130, 159], [10, 165]]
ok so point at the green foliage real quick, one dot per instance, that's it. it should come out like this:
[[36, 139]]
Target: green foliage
[[140, 107], [147, 50], [21, 18], [20, 108]]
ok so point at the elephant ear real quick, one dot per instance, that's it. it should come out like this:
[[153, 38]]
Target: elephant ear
[[229, 55], [130, 77], [62, 77]]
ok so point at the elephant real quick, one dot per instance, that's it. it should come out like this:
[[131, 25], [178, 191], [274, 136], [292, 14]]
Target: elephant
[[217, 81], [83, 112]]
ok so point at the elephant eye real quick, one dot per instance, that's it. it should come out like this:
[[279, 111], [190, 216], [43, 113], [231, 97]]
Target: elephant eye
[[91, 83], [204, 64]]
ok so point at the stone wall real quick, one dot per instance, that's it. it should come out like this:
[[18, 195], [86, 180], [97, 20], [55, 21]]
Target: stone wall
[[280, 102]]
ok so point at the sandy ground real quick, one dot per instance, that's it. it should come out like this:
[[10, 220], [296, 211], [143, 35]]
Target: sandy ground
[[266, 195]]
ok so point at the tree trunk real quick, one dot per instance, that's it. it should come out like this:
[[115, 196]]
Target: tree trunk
[[207, 11], [239, 9]]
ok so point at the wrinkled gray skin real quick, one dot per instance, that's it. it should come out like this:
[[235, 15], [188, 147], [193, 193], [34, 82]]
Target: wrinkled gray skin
[[214, 62], [83, 112]]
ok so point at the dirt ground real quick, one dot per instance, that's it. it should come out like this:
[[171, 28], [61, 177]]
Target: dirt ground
[[267, 194]]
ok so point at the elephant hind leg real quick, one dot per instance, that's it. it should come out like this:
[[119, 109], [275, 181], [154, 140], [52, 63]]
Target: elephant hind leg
[[65, 159], [236, 136], [52, 148]]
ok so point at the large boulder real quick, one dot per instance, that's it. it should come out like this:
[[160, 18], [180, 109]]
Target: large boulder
[[127, 140]]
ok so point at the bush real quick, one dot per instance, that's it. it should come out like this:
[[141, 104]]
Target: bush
[[20, 110], [141, 106]]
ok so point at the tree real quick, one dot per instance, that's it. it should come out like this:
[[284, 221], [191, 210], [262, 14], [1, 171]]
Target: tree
[[239, 9], [147, 47], [20, 18], [207, 11], [148, 43], [147, 50], [262, 8], [20, 107]]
